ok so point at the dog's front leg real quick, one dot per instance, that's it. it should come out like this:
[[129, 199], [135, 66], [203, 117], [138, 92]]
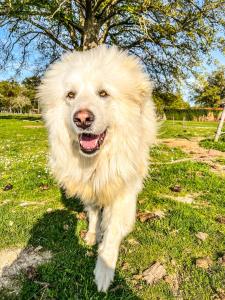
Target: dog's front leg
[[93, 233], [118, 220]]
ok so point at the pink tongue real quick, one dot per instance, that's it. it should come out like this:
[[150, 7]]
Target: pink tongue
[[89, 142]]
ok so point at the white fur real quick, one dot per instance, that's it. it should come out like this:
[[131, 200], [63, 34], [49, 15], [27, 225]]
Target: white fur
[[112, 178]]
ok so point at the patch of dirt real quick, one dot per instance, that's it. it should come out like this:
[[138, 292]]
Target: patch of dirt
[[33, 126], [16, 260], [24, 204], [189, 198], [198, 153]]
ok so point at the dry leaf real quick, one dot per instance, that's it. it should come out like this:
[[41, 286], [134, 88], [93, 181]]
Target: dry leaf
[[65, 226], [83, 234], [154, 273], [8, 187], [159, 213], [172, 280], [138, 286], [204, 262], [38, 248], [201, 235], [90, 253], [176, 188], [125, 266], [146, 216], [221, 219], [117, 287], [137, 276], [81, 216], [141, 201], [221, 294], [133, 242], [44, 187], [221, 260], [5, 202], [31, 273]]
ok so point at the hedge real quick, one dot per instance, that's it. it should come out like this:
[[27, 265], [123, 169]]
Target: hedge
[[193, 114]]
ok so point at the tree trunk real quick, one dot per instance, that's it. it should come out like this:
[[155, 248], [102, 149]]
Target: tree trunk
[[91, 32]]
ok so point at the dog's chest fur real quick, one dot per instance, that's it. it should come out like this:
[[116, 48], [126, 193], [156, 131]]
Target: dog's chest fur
[[98, 181]]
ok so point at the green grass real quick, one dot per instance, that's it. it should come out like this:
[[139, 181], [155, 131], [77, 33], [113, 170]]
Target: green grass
[[171, 240], [210, 144], [187, 129]]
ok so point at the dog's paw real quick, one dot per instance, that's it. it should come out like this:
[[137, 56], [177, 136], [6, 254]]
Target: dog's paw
[[103, 275], [90, 238]]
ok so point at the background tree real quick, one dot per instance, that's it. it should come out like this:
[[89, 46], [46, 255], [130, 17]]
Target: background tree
[[31, 84], [170, 37], [8, 91], [168, 100], [20, 103], [210, 92]]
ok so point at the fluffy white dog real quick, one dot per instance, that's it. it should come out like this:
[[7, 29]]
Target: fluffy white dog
[[100, 117]]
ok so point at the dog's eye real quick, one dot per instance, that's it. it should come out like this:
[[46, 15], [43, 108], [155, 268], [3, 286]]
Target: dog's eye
[[71, 95], [103, 93]]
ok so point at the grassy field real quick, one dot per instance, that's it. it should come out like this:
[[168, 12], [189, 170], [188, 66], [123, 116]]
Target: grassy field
[[34, 212], [210, 144]]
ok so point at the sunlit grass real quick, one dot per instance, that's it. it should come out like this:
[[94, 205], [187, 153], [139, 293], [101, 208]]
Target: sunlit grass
[[171, 240]]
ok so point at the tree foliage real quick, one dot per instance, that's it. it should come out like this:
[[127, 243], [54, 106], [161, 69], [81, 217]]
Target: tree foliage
[[20, 102], [168, 100], [30, 84], [170, 37], [8, 91], [210, 92], [15, 97]]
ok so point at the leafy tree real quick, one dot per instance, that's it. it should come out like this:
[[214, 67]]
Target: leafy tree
[[165, 99], [8, 91], [210, 92], [20, 103], [170, 37], [31, 84]]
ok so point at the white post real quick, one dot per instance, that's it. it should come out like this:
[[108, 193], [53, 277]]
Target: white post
[[220, 126]]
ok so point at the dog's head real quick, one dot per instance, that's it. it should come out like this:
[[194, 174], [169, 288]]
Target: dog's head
[[96, 91]]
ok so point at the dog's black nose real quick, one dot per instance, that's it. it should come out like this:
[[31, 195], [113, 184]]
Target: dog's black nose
[[83, 118]]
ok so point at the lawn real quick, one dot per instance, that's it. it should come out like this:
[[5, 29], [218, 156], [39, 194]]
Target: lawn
[[35, 213]]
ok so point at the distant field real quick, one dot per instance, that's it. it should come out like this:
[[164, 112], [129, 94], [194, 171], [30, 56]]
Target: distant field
[[187, 129], [188, 194]]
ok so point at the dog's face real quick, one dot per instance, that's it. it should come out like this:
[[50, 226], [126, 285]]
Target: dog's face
[[97, 90], [88, 99]]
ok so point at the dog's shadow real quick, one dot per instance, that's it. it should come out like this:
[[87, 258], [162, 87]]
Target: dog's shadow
[[69, 273]]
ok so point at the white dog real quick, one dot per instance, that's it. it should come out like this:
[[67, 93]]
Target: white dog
[[100, 118]]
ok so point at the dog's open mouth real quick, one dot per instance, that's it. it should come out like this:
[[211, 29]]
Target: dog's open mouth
[[90, 143]]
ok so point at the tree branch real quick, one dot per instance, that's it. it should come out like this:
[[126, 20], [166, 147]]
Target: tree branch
[[50, 35]]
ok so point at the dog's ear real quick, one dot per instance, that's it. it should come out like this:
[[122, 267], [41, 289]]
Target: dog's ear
[[140, 84], [144, 89]]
